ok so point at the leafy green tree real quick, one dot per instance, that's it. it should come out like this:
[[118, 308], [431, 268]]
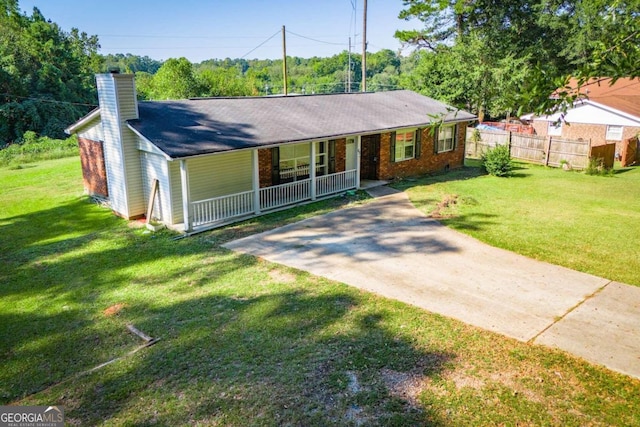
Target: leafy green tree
[[469, 76], [176, 79], [553, 39], [46, 74], [226, 82], [129, 63]]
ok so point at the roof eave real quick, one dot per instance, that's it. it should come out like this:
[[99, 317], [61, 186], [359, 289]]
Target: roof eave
[[612, 110], [318, 138], [82, 122]]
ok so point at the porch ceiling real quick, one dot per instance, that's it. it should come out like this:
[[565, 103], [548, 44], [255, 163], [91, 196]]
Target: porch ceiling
[[203, 126]]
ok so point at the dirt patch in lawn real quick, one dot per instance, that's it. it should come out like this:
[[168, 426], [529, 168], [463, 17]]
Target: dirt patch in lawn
[[114, 309]]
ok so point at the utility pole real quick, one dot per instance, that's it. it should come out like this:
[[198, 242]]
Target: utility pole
[[364, 48], [284, 60], [349, 68]]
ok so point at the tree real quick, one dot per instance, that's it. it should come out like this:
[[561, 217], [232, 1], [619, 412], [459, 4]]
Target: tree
[[226, 82], [175, 80], [468, 76], [554, 39], [46, 74]]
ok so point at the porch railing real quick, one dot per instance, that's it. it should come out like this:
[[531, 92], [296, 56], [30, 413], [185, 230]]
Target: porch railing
[[285, 194], [334, 183], [222, 208]]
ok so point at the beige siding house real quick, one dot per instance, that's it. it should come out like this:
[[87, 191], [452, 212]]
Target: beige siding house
[[202, 163]]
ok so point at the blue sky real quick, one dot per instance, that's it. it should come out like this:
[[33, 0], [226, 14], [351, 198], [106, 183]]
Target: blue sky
[[200, 29]]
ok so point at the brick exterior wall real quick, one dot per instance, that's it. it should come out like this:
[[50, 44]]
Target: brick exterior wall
[[264, 167], [427, 163], [94, 173], [540, 127], [341, 154], [596, 133]]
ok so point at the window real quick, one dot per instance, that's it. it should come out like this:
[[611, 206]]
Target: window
[[405, 145], [554, 128], [614, 133], [321, 158], [446, 138], [294, 161]]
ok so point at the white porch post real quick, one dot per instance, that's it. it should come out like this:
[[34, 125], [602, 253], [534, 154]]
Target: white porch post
[[358, 146], [255, 181], [312, 170], [184, 177]]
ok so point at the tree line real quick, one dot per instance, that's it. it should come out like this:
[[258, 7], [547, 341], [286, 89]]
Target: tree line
[[493, 58]]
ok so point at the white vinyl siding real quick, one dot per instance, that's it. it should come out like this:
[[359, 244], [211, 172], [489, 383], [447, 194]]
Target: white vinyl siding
[[155, 167], [350, 154], [175, 186], [144, 145], [122, 158], [92, 131], [219, 175], [614, 133], [133, 169]]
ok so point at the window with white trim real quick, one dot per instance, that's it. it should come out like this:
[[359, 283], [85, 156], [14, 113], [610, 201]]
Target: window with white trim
[[405, 145], [614, 133], [295, 161], [446, 138], [321, 158], [554, 128]]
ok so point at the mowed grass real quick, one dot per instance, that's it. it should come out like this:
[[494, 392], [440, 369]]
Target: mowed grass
[[243, 341], [587, 223]]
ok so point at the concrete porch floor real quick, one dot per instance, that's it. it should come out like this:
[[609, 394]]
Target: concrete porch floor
[[366, 184]]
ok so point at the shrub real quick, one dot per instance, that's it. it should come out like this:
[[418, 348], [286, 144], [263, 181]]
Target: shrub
[[497, 161], [34, 148], [596, 167]]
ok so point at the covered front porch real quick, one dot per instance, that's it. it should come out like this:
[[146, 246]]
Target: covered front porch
[[278, 181]]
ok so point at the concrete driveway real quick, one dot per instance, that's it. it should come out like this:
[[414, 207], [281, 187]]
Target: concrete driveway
[[390, 248]]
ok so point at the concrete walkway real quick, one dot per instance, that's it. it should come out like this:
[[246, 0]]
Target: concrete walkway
[[390, 248]]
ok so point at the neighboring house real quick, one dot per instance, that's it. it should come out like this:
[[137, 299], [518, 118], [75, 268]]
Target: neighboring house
[[605, 114], [202, 163]]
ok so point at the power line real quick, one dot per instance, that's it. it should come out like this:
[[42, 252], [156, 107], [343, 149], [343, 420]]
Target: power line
[[261, 44], [315, 40], [142, 36], [53, 101]]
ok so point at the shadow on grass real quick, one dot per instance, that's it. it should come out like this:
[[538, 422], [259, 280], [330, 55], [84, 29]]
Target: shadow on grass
[[471, 222], [291, 357], [236, 345], [620, 171], [464, 173], [518, 175]]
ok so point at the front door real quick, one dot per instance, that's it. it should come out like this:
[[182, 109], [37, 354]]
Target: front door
[[369, 154]]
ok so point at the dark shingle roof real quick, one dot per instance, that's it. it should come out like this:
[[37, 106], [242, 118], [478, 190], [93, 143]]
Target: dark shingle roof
[[201, 126]]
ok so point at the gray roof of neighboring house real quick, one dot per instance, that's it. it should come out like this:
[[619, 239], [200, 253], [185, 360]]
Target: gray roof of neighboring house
[[202, 126]]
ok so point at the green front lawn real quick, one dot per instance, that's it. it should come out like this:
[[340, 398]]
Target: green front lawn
[[244, 341], [587, 223]]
